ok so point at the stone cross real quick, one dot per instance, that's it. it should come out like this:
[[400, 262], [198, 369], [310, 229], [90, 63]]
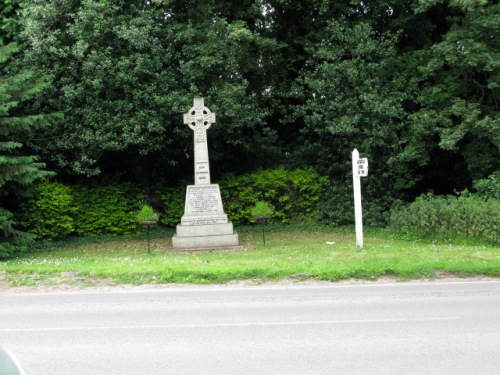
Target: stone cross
[[199, 119]]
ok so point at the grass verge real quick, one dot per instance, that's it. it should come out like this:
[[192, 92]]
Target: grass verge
[[290, 253]]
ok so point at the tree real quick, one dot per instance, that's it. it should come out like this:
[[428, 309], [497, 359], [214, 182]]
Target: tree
[[125, 71], [18, 170], [9, 21], [457, 107], [425, 104], [413, 85], [352, 98]]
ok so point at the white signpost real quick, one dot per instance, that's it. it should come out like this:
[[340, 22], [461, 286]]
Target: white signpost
[[359, 169]]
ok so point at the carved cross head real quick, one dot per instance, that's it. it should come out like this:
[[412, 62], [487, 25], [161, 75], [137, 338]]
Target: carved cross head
[[199, 119]]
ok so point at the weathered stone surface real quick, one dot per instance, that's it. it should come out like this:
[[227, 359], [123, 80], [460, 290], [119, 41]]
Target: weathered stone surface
[[203, 200], [199, 119], [204, 224], [205, 242], [202, 230]]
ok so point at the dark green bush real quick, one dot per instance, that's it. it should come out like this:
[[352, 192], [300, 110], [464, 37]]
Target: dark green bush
[[338, 204], [488, 187], [49, 213], [56, 210], [173, 200], [465, 216], [295, 194], [104, 210], [12, 241]]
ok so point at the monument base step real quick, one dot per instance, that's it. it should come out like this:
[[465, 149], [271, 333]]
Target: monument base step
[[204, 230], [220, 248], [206, 242]]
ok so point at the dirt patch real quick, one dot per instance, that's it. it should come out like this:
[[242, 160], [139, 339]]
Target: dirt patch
[[71, 282], [4, 284]]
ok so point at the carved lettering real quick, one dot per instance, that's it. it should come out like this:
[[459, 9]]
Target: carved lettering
[[203, 199]]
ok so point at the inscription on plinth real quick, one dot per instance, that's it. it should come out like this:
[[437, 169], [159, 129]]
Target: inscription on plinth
[[203, 206], [203, 200]]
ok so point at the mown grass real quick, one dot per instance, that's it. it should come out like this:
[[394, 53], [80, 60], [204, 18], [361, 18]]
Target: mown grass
[[290, 252]]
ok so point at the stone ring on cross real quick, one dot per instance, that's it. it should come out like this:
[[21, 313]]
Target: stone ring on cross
[[199, 116]]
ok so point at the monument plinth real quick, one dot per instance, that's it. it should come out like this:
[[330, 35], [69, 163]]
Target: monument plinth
[[204, 224]]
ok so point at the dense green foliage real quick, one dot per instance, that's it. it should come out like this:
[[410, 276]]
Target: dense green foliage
[[127, 70], [262, 209], [413, 85], [55, 210], [9, 21], [454, 217], [146, 213], [107, 209], [295, 194], [489, 187], [337, 206], [450, 218], [49, 213], [173, 201], [18, 168]]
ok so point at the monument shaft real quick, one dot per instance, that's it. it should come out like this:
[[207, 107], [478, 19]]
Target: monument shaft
[[199, 119]]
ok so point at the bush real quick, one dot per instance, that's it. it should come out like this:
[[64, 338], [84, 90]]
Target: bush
[[296, 196], [146, 213], [465, 216], [338, 203], [489, 187], [12, 241], [49, 213], [104, 210], [56, 210], [262, 209], [173, 200]]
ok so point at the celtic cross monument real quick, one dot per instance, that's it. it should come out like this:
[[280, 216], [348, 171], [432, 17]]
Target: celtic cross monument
[[204, 224]]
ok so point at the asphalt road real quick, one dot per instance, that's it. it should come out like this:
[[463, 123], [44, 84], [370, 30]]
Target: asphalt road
[[402, 328]]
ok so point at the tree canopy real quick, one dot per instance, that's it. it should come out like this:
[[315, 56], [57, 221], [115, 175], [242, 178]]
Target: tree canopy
[[413, 85], [18, 169]]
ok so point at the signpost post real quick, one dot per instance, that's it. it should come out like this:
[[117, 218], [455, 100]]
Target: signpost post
[[359, 169]]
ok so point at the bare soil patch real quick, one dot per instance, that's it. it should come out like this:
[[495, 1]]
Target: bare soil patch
[[71, 282]]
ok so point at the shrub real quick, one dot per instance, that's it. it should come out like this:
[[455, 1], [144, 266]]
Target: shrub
[[295, 194], [489, 187], [449, 217], [56, 210], [262, 208], [173, 200], [12, 241], [104, 210], [49, 213], [338, 203], [147, 213]]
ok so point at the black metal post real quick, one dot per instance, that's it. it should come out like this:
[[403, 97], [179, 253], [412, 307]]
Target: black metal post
[[262, 220], [264, 233], [149, 239]]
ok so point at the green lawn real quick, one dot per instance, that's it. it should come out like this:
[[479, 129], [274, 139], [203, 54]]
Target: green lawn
[[293, 253]]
